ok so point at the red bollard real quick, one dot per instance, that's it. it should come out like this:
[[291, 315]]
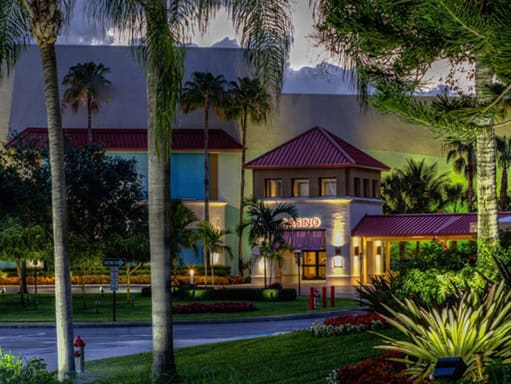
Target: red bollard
[[332, 296], [311, 299], [323, 289]]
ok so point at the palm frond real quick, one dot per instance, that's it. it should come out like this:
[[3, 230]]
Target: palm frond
[[266, 34], [14, 33]]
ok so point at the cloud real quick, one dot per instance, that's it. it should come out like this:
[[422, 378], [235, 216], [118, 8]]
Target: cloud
[[324, 78]]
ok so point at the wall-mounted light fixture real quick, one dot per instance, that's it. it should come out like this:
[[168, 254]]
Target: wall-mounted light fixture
[[338, 260], [356, 250]]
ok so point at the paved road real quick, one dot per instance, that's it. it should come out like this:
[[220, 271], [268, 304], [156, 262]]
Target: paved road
[[119, 341]]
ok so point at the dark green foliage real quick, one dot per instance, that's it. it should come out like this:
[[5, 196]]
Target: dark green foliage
[[13, 370], [380, 292], [417, 188]]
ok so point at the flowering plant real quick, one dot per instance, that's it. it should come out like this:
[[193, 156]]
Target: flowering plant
[[374, 370], [347, 324]]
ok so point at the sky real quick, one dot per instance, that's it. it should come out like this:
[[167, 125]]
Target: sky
[[311, 69]]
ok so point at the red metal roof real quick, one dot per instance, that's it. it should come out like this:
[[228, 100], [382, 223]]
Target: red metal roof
[[316, 148], [305, 239], [136, 139], [419, 225]]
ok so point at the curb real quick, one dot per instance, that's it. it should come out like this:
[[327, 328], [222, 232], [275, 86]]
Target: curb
[[109, 324]]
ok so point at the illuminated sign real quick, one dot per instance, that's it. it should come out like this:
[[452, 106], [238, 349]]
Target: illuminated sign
[[303, 222]]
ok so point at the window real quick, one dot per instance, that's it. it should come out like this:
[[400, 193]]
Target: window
[[273, 188], [356, 186], [366, 188], [329, 187], [301, 187], [376, 189], [314, 265]]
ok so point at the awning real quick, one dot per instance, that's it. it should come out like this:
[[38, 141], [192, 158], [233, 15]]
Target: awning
[[305, 239]]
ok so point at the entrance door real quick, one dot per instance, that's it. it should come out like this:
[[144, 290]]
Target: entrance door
[[314, 265]]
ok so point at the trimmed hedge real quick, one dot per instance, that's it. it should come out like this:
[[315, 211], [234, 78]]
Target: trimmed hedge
[[246, 294]]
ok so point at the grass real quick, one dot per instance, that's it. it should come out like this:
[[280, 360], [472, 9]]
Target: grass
[[293, 358], [12, 310]]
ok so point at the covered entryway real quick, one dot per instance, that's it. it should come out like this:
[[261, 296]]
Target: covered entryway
[[372, 236]]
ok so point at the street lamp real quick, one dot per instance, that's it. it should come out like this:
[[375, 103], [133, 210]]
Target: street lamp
[[298, 259]]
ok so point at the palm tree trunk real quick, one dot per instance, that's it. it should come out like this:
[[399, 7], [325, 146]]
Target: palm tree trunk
[[503, 189], [470, 187], [206, 160], [63, 298], [487, 227], [206, 253], [242, 187], [89, 119], [159, 237]]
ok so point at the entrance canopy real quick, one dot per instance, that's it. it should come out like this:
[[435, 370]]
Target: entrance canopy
[[434, 226], [305, 239]]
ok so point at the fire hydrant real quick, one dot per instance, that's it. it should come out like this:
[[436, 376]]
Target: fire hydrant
[[79, 353]]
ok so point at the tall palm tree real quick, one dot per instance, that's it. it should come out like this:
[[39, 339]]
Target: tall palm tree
[[504, 159], [204, 91], [266, 225], [84, 82], [42, 20], [463, 156], [246, 99], [212, 240], [265, 27]]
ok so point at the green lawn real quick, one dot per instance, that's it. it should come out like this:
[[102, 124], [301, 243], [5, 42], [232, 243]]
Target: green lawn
[[293, 358], [11, 309]]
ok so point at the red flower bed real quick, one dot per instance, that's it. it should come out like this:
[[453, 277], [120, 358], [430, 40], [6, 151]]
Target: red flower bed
[[375, 370], [366, 319], [213, 308]]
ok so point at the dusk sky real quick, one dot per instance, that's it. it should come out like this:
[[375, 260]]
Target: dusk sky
[[303, 76]]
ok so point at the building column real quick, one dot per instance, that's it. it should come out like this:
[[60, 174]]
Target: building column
[[363, 271], [387, 256]]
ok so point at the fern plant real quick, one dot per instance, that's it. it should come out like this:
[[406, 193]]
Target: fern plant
[[477, 329]]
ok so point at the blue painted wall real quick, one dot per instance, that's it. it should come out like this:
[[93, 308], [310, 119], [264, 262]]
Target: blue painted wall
[[187, 171]]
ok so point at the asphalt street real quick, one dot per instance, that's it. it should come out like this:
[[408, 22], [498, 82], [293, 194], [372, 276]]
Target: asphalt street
[[103, 342]]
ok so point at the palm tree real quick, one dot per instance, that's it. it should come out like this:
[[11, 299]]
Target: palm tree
[[266, 225], [464, 161], [504, 159], [211, 239], [265, 28], [204, 91], [246, 99], [42, 20], [84, 82]]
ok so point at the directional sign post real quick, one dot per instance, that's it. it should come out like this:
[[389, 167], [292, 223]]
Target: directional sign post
[[114, 265]]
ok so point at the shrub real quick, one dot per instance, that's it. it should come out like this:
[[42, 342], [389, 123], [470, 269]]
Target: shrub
[[213, 308], [13, 371], [245, 294], [379, 293], [375, 370], [347, 324], [476, 328]]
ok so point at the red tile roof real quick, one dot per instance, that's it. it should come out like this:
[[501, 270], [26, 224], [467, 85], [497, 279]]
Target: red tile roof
[[419, 225], [136, 139], [316, 148], [305, 239]]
